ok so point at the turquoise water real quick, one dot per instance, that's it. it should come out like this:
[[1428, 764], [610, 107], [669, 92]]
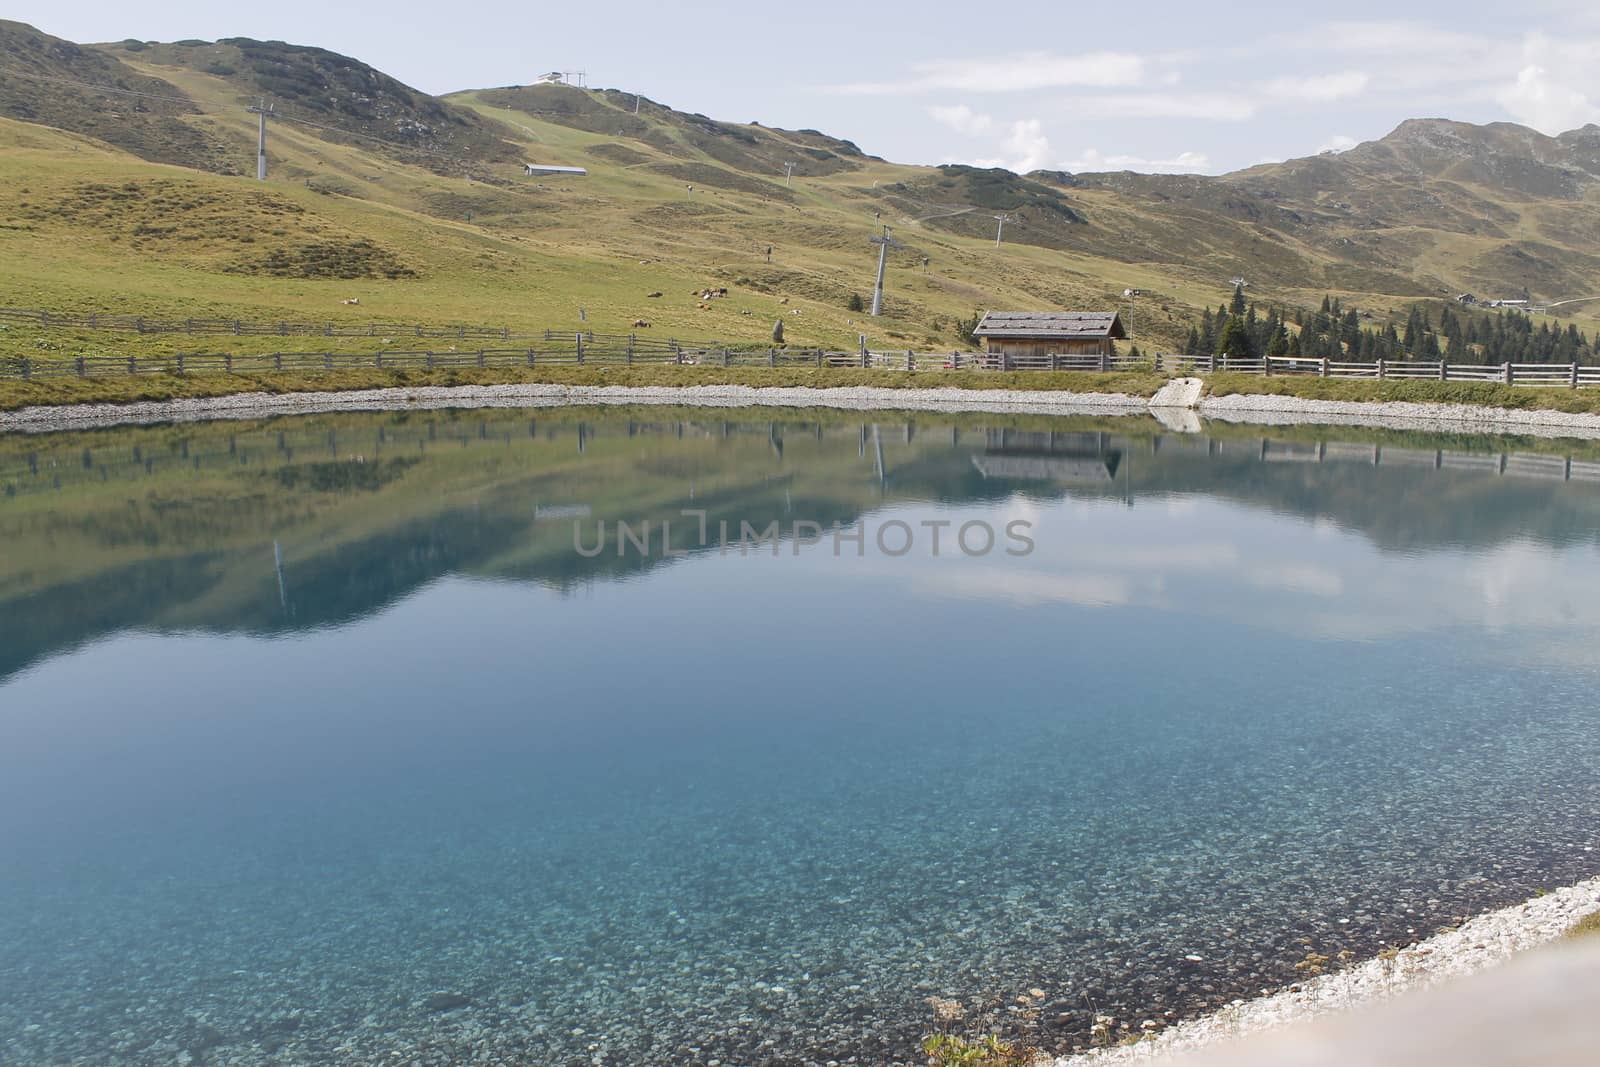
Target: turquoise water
[[326, 742]]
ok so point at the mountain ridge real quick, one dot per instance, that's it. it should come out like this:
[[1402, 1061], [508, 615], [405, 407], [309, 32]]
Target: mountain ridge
[[1432, 209]]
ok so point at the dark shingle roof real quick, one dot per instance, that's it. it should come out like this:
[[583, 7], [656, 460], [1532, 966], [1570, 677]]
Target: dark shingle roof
[[1050, 325]]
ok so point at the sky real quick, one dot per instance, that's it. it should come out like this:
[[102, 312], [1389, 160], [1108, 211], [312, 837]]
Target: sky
[[1152, 86]]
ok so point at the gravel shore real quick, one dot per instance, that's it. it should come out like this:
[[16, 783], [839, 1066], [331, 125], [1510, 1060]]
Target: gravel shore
[[1451, 418], [258, 405], [1478, 943], [1272, 410]]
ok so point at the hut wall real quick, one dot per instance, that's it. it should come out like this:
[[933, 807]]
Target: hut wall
[[1035, 347]]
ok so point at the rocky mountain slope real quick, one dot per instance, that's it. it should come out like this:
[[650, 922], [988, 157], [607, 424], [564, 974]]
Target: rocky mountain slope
[[673, 201]]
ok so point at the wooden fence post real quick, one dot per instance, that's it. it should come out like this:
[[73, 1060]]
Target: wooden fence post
[[911, 361], [277, 360], [1506, 370], [579, 341], [27, 368], [1444, 371], [227, 362], [79, 362], [724, 357], [863, 342], [1574, 374], [1380, 370], [772, 357]]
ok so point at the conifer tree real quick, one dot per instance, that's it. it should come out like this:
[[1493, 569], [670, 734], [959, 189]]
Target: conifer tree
[[1235, 340]]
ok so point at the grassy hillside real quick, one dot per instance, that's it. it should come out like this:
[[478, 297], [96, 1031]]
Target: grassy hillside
[[417, 206]]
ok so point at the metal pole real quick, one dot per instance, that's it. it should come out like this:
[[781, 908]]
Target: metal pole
[[1000, 226], [877, 290], [261, 146]]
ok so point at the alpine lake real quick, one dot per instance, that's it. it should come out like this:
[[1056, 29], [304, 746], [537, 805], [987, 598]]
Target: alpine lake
[[667, 736]]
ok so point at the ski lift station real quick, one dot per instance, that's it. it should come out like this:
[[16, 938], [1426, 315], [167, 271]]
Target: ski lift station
[[534, 169]]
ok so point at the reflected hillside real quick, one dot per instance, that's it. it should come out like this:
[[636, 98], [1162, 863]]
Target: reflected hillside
[[299, 523]]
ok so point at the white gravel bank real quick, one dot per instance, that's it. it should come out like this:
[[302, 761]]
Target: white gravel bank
[[1266, 410], [1476, 944], [259, 405], [1452, 418]]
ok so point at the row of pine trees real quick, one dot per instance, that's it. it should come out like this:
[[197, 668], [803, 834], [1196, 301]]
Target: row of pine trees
[[1239, 331]]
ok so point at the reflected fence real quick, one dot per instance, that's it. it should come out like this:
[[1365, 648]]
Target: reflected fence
[[1056, 458]]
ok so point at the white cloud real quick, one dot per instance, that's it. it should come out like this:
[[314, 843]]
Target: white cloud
[[1029, 588], [1307, 578], [962, 119], [1322, 88], [1183, 163], [1024, 147], [1339, 142], [1537, 99], [1013, 73], [1221, 107]]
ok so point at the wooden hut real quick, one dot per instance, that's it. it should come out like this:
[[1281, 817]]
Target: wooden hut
[[1033, 335]]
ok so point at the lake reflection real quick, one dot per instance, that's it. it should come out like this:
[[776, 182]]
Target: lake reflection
[[325, 741]]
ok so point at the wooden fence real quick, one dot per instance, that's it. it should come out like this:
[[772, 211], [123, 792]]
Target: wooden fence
[[587, 347], [1549, 375], [578, 350]]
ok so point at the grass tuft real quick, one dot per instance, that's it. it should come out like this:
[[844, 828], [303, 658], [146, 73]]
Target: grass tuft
[[1588, 926]]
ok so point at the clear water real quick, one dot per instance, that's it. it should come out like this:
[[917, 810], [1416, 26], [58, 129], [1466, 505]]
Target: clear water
[[323, 743]]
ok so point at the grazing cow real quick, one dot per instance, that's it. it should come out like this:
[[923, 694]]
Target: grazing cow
[[641, 324], [353, 300], [652, 296]]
